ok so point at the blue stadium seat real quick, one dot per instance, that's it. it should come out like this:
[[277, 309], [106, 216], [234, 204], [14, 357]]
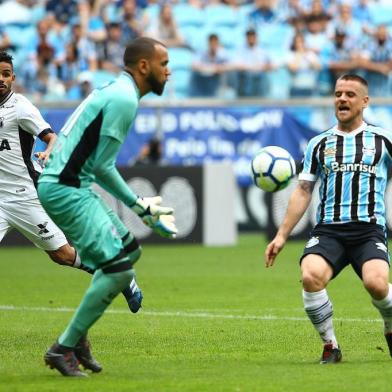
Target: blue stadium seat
[[153, 11], [380, 14], [194, 36], [180, 58], [180, 66], [186, 15], [275, 36], [279, 82], [230, 37], [221, 15], [20, 35], [179, 83]]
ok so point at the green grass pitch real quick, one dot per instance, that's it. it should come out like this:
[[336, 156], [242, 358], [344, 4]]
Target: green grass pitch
[[214, 319]]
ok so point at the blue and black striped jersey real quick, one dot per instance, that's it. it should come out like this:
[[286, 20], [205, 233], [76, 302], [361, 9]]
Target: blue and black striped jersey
[[352, 168]]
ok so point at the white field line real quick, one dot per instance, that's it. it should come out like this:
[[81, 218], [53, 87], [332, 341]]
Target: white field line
[[206, 315]]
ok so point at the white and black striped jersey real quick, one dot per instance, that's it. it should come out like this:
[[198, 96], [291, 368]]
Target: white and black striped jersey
[[352, 168], [20, 124]]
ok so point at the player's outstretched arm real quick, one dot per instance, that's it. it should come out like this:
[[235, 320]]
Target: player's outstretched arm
[[43, 156], [298, 204], [149, 209]]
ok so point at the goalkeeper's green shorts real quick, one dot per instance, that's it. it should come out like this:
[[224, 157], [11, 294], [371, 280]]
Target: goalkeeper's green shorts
[[118, 224], [83, 217]]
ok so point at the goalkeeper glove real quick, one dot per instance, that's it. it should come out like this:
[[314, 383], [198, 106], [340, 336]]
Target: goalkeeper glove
[[155, 216], [165, 227]]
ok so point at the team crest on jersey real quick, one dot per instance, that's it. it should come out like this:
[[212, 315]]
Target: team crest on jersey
[[330, 151], [115, 232], [368, 151], [312, 242]]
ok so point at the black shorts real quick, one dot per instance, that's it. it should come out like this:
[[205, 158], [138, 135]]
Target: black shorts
[[348, 243]]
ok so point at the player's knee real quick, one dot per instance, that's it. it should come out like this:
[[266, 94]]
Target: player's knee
[[122, 273], [135, 255], [377, 286], [65, 255], [311, 281]]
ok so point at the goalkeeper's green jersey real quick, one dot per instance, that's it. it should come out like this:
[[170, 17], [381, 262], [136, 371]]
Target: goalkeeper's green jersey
[[87, 146]]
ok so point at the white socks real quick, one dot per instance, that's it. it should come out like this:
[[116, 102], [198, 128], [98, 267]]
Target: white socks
[[319, 310], [77, 263], [384, 306]]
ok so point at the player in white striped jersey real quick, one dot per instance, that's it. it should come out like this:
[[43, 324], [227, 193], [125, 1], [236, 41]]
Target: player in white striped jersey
[[351, 160], [20, 124]]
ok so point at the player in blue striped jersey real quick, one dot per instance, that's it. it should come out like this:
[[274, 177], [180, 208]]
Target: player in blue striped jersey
[[353, 171], [351, 161]]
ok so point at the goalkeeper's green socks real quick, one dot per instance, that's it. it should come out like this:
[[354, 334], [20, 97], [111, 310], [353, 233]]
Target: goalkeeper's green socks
[[133, 298], [103, 289]]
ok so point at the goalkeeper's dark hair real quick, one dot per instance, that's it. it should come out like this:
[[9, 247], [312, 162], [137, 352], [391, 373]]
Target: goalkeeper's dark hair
[[6, 58], [140, 48]]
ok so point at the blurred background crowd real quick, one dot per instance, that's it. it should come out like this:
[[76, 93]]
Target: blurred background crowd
[[273, 49]]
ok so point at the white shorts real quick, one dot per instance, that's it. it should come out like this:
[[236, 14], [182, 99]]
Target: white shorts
[[31, 220]]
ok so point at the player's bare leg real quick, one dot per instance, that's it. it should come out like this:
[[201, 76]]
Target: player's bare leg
[[316, 273], [375, 276], [67, 255]]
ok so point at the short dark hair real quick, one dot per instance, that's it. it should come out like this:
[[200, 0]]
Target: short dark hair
[[113, 25], [213, 36], [355, 78], [6, 58], [339, 32], [141, 47]]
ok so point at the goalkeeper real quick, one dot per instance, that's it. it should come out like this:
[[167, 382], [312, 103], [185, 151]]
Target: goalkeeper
[[84, 153]]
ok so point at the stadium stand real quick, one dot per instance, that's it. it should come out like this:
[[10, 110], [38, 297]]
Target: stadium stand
[[80, 30]]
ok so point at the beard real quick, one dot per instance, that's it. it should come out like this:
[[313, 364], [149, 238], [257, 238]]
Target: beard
[[381, 41], [156, 86]]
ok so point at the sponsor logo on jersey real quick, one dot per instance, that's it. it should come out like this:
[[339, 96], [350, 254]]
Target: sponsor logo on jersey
[[47, 238], [42, 228], [350, 167], [4, 145], [20, 190], [330, 151], [368, 151], [382, 247], [312, 242]]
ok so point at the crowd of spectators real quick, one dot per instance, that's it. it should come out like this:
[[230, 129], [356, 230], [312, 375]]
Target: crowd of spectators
[[228, 49]]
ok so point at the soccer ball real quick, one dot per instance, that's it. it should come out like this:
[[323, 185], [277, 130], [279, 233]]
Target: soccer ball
[[272, 167]]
